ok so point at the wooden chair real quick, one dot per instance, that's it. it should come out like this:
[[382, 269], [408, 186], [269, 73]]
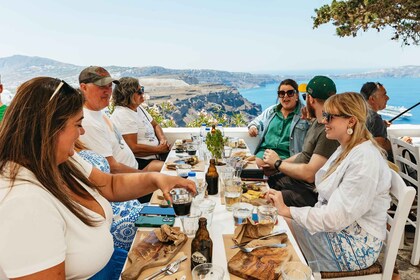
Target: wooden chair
[[407, 158], [405, 196]]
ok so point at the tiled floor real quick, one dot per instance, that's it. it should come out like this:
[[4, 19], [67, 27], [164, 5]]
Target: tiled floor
[[406, 269]]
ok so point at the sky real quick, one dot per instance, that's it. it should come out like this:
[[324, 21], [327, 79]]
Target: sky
[[258, 36]]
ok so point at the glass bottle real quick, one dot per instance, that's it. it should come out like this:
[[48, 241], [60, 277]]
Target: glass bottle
[[212, 178], [201, 245]]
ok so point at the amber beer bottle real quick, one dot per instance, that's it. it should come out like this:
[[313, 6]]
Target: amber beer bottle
[[201, 245], [212, 178]]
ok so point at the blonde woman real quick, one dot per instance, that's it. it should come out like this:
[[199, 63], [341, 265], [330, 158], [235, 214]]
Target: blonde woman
[[344, 231]]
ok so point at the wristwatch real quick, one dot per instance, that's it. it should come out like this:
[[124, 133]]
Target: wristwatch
[[277, 164]]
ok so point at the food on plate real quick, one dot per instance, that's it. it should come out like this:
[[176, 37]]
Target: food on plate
[[241, 144]]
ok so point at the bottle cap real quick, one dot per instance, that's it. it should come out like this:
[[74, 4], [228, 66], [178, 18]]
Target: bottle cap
[[191, 174], [203, 124], [207, 128]]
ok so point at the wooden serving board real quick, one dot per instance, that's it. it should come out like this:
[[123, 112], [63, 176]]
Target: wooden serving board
[[264, 263], [149, 252]]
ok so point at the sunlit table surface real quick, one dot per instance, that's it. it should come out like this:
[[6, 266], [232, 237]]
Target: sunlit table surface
[[223, 223]]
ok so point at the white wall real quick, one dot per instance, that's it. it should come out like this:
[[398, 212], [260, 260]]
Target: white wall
[[174, 133]]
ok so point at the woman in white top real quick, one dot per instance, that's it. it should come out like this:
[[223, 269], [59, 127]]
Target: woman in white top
[[142, 133], [344, 231], [54, 212]]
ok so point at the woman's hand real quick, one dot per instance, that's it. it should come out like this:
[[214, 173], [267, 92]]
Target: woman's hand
[[253, 131], [276, 197], [167, 183]]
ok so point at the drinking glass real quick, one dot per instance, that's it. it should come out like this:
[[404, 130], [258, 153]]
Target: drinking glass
[[267, 214], [206, 207], [208, 271], [227, 152], [181, 201], [233, 192], [242, 211], [201, 189], [190, 223], [192, 148]]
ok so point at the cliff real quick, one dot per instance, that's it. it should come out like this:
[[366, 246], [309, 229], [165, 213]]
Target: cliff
[[190, 99]]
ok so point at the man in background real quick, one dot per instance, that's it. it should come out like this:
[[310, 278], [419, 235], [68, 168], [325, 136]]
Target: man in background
[[296, 175], [2, 106], [376, 97]]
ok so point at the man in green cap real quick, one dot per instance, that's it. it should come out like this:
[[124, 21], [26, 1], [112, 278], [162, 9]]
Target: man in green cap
[[296, 175]]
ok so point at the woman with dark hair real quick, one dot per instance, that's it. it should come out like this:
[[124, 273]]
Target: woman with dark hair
[[142, 133], [281, 127], [346, 228], [54, 212]]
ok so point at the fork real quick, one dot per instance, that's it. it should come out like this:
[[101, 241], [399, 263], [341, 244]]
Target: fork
[[250, 249], [168, 270]]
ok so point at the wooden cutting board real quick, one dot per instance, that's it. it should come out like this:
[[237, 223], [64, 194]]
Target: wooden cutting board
[[149, 252], [263, 263]]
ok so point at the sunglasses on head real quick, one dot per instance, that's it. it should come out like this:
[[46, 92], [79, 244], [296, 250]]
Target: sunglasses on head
[[328, 117], [140, 90], [282, 93], [61, 85]]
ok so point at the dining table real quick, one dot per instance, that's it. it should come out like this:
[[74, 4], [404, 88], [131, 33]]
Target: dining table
[[222, 223]]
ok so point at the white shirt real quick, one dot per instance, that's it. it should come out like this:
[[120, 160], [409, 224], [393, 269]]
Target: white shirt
[[358, 191], [140, 122], [38, 232], [102, 137]]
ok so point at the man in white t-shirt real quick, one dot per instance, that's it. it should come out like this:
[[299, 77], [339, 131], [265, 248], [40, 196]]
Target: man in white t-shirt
[[101, 135]]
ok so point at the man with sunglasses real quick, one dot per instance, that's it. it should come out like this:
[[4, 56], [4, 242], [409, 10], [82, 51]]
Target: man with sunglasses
[[296, 175], [280, 126], [101, 135], [376, 97]]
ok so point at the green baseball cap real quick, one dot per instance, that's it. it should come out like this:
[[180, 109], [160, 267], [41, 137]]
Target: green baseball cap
[[96, 75], [321, 87]]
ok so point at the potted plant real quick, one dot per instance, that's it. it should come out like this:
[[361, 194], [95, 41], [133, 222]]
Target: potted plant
[[215, 143]]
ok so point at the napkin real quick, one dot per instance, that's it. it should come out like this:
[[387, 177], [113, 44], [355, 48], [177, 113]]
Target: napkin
[[250, 230]]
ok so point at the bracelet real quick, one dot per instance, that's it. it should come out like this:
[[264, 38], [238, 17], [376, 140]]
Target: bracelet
[[277, 164]]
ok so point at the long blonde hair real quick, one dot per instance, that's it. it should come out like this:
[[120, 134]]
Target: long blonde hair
[[350, 104]]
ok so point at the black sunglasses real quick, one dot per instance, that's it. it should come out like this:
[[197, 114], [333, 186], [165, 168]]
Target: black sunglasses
[[304, 96], [282, 93], [140, 90], [328, 117]]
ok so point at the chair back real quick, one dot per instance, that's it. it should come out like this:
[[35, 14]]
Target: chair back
[[407, 158], [405, 196]]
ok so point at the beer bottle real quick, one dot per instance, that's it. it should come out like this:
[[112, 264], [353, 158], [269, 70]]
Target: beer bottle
[[212, 178], [201, 245]]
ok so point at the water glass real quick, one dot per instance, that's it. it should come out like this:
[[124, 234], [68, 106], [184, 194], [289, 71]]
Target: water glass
[[190, 224], [201, 188], [206, 207], [208, 271], [181, 201], [296, 271], [227, 152], [267, 214], [241, 211]]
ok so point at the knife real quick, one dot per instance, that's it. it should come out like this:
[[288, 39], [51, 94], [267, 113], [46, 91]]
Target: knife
[[166, 268], [261, 238]]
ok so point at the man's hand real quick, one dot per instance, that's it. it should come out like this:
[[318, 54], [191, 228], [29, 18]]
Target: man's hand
[[253, 131], [407, 139], [270, 157], [387, 123]]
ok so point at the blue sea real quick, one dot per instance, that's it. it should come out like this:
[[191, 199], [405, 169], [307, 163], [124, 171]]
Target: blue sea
[[401, 91]]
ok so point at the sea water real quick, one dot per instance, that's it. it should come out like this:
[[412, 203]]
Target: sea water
[[401, 91]]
